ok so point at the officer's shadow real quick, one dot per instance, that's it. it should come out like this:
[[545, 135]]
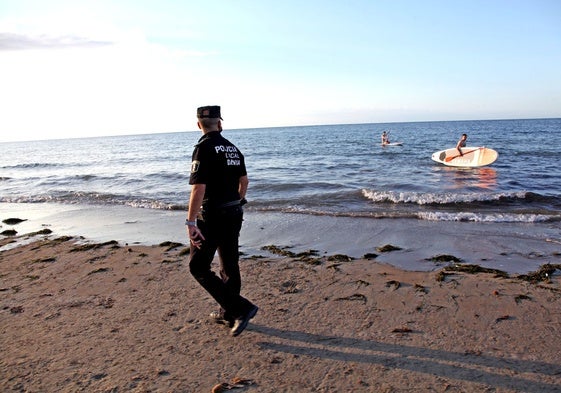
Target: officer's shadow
[[483, 369]]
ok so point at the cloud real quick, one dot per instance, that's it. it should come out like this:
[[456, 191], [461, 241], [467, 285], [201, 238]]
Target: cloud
[[12, 41]]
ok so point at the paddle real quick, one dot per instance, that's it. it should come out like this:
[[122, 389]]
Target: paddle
[[448, 159]]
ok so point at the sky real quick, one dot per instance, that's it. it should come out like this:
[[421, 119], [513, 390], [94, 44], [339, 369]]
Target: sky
[[115, 67]]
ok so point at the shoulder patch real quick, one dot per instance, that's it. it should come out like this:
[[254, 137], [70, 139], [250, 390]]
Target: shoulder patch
[[195, 166]]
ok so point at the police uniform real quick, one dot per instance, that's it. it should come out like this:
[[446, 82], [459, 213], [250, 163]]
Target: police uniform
[[218, 164]]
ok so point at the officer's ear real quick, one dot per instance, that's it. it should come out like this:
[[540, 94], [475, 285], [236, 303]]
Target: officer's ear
[[219, 125], [199, 125]]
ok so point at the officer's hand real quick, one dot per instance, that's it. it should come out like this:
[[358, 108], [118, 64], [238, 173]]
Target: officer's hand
[[195, 236]]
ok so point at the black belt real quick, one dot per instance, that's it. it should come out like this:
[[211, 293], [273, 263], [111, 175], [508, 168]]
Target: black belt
[[237, 202], [230, 204]]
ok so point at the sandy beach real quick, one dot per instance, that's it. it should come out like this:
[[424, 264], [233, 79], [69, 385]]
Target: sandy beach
[[80, 315]]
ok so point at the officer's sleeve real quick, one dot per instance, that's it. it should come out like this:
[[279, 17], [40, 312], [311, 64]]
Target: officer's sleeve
[[199, 170], [243, 171]]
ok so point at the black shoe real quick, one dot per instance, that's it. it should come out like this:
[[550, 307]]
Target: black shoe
[[220, 317], [241, 323]]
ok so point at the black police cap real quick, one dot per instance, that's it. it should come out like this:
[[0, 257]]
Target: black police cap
[[210, 112]]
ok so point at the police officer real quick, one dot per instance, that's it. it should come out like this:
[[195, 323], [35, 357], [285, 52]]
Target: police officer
[[218, 186]]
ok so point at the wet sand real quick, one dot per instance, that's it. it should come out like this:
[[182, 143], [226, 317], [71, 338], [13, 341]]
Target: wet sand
[[512, 247]]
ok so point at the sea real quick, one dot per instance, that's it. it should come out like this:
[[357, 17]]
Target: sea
[[327, 170]]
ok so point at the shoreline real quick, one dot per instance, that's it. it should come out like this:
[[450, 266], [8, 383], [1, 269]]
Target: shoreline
[[513, 248], [78, 316]]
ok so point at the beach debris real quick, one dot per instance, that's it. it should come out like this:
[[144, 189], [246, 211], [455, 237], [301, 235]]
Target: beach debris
[[393, 283], [93, 246], [472, 269], [61, 239], [544, 273], [310, 260], [9, 232], [289, 286], [309, 256], [253, 257], [308, 253], [518, 299], [503, 318], [236, 383], [443, 258], [16, 309], [169, 261], [339, 258], [402, 330], [221, 387], [387, 248], [106, 302], [370, 255], [170, 245], [45, 260], [45, 231], [361, 283], [13, 221], [441, 275], [282, 251], [420, 288], [100, 270], [353, 297], [98, 376]]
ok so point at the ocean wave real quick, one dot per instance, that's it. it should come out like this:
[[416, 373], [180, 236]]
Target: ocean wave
[[39, 165], [445, 198], [318, 212], [428, 216], [86, 198], [488, 217]]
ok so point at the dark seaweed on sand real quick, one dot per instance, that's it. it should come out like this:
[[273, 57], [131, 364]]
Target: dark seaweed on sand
[[86, 247], [309, 256], [339, 258], [170, 245], [12, 221], [473, 269], [387, 248], [444, 258], [543, 274]]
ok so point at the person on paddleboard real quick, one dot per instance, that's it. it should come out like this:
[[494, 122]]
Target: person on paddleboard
[[462, 143], [385, 138]]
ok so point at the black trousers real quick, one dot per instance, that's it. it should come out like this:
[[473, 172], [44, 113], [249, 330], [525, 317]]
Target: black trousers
[[221, 229]]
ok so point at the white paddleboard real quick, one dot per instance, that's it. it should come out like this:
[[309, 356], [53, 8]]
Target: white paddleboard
[[472, 157], [393, 144]]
